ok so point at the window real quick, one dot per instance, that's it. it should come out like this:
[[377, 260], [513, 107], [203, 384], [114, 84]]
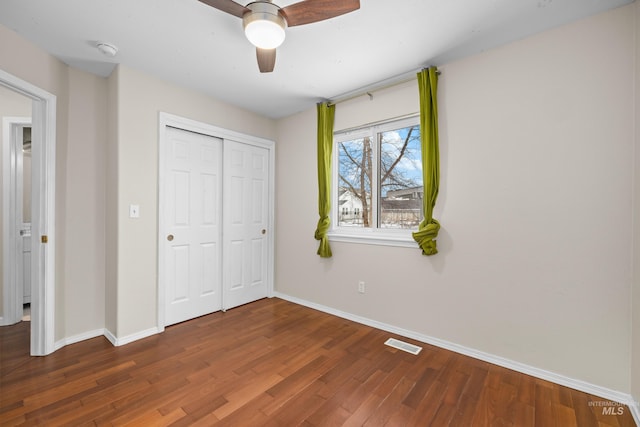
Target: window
[[377, 183]]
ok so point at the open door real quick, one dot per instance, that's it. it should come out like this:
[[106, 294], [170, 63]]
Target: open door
[[43, 117], [16, 237]]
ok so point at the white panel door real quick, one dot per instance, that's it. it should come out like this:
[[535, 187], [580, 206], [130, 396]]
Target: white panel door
[[246, 211], [26, 262], [192, 255]]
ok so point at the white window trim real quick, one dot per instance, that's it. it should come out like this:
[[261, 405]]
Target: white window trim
[[372, 236]]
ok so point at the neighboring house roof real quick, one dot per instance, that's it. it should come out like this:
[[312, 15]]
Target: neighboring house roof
[[406, 193]]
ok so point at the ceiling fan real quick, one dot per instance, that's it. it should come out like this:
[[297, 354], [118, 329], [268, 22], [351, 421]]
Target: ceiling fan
[[264, 22]]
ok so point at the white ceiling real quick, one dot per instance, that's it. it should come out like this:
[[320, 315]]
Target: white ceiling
[[196, 46]]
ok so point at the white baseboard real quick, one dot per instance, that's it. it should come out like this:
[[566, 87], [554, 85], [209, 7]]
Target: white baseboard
[[112, 338], [130, 338], [606, 393], [108, 335], [634, 406], [5, 321], [77, 338]]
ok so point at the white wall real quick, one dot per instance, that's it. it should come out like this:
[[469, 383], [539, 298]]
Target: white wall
[[535, 204], [140, 98]]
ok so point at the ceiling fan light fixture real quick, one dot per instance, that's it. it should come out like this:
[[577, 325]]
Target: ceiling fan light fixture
[[265, 22], [263, 26]]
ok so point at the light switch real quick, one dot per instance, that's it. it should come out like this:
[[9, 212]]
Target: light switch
[[134, 211]]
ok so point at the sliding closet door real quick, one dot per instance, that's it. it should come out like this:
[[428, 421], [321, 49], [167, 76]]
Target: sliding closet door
[[246, 213], [192, 270]]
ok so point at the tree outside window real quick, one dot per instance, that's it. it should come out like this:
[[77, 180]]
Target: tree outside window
[[379, 183]]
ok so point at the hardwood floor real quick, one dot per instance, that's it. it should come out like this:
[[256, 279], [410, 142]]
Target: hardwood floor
[[274, 363]]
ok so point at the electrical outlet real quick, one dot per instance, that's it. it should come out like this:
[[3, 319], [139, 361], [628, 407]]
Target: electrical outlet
[[361, 287]]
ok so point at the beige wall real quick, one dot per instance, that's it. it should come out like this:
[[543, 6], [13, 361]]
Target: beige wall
[[635, 352], [12, 104], [140, 98], [84, 220], [111, 194], [535, 204]]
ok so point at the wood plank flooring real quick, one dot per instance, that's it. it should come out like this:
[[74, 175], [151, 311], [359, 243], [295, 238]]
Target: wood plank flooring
[[274, 363]]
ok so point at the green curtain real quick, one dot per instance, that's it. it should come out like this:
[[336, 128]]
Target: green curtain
[[326, 113], [429, 227]]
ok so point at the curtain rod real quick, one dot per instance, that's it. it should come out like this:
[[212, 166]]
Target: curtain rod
[[382, 84]]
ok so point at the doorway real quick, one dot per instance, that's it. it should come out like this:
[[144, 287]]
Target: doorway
[[42, 270], [18, 209]]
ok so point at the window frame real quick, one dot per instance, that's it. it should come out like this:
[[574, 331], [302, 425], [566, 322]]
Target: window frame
[[372, 235]]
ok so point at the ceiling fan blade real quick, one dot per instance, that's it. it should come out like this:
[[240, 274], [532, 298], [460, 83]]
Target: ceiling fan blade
[[228, 6], [266, 59], [308, 11]]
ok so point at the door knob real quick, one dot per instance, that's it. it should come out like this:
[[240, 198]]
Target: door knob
[[264, 231], [170, 237]]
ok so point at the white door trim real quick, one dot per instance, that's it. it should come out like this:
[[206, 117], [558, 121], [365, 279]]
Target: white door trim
[[43, 150], [171, 120]]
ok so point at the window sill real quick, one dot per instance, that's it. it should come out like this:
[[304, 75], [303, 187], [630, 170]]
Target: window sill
[[404, 240]]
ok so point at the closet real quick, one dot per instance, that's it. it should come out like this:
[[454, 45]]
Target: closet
[[215, 247]]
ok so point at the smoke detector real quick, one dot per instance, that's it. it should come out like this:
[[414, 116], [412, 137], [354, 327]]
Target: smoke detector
[[107, 49]]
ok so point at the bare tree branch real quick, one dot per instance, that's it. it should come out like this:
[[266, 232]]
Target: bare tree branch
[[404, 148]]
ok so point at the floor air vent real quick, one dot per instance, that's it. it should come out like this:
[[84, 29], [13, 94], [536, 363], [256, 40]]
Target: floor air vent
[[404, 346]]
